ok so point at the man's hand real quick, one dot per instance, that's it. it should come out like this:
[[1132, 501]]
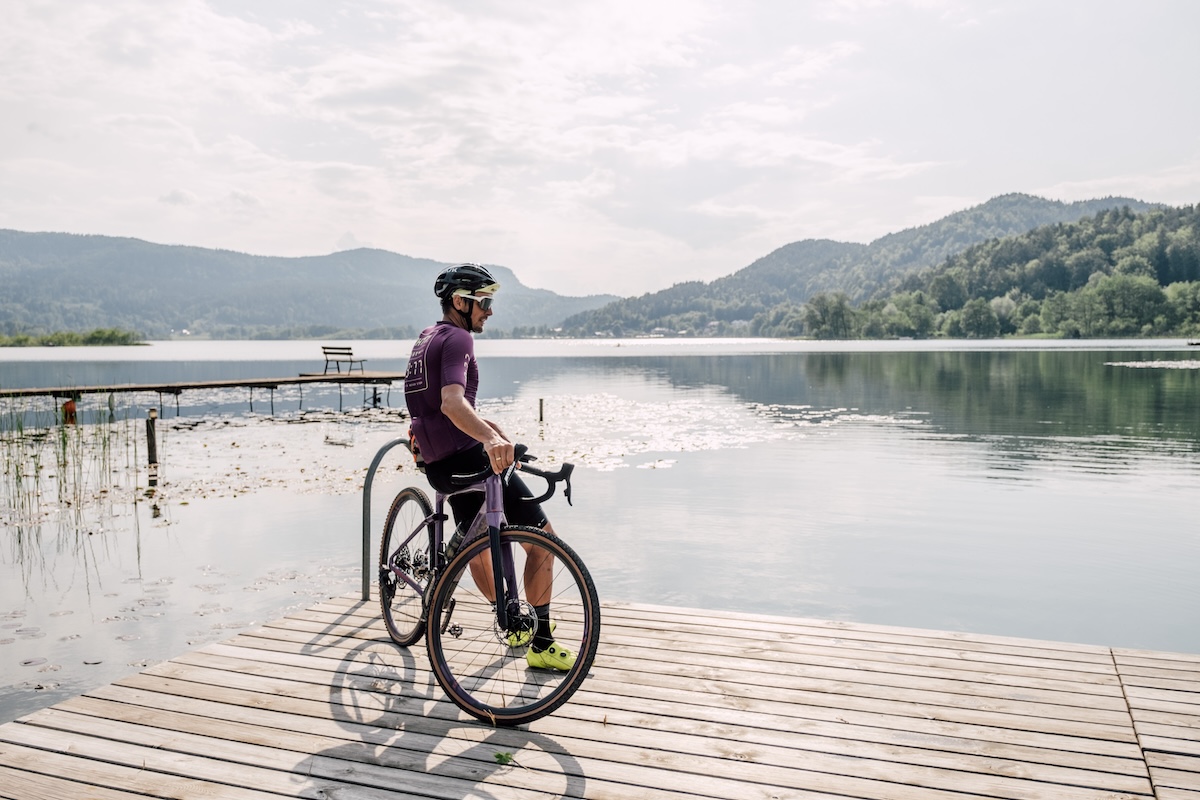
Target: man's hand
[[500, 453]]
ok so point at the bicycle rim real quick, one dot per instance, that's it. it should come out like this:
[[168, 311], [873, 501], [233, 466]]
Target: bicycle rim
[[405, 566], [474, 662]]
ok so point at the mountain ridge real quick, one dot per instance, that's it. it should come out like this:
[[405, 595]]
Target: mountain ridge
[[78, 282], [63, 281], [796, 271]]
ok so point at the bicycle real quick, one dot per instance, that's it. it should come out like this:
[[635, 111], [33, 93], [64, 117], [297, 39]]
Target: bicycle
[[476, 644]]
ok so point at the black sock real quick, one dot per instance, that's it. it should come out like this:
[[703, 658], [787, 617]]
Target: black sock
[[542, 638]]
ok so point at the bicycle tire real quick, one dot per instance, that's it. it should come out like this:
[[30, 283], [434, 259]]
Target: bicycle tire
[[474, 663], [403, 604]]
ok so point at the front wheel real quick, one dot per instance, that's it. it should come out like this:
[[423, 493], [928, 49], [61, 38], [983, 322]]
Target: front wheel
[[405, 565], [484, 670]]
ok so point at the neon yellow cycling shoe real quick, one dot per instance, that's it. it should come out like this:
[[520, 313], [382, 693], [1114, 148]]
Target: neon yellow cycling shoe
[[524, 637], [553, 657]]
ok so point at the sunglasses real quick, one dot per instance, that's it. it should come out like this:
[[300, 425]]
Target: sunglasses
[[485, 301]]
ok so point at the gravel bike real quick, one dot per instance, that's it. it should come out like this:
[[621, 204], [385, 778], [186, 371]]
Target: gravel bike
[[470, 600]]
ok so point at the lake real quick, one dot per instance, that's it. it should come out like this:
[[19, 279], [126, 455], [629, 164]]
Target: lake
[[1033, 489]]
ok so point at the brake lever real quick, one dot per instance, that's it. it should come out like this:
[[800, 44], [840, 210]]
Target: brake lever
[[568, 469]]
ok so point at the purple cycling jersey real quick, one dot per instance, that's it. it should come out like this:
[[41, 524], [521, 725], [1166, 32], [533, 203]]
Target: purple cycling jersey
[[443, 354]]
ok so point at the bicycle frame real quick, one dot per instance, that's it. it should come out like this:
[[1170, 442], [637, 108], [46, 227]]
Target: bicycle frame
[[504, 578]]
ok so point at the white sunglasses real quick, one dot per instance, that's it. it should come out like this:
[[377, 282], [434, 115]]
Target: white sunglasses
[[485, 301]]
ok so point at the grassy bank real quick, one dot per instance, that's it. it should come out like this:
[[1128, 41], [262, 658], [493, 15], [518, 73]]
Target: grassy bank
[[97, 337]]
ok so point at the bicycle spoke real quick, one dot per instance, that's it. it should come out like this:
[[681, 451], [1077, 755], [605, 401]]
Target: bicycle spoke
[[405, 566], [476, 663]]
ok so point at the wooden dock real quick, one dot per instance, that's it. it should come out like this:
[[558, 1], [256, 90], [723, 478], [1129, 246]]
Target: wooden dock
[[365, 379], [74, 392], [681, 704]]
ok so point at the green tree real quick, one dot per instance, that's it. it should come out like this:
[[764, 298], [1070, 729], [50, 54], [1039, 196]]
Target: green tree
[[1087, 313], [829, 316], [1130, 303], [1183, 303], [978, 320], [948, 291]]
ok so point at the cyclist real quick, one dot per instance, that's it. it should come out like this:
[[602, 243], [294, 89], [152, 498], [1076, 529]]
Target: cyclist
[[440, 386]]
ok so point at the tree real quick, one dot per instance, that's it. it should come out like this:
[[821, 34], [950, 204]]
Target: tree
[[1135, 265], [1183, 303], [829, 316], [978, 320], [1130, 302], [1087, 313], [948, 291]]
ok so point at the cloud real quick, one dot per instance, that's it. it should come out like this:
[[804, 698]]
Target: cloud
[[597, 147], [179, 197]]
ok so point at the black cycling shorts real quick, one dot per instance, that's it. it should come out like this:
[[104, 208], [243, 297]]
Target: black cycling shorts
[[517, 510]]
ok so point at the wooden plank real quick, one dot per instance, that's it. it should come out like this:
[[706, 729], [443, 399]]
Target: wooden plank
[[785, 626], [1167, 793], [1187, 723], [1168, 744], [1168, 700], [57, 758], [1186, 661], [18, 785]]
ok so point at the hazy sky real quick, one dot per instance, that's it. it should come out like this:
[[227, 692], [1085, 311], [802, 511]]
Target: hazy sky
[[611, 146]]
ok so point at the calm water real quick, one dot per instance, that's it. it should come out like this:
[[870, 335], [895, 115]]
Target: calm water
[[1035, 490]]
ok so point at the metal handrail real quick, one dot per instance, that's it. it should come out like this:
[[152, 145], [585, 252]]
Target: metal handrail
[[366, 542]]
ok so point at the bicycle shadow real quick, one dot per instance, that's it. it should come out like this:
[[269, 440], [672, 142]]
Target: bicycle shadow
[[401, 730]]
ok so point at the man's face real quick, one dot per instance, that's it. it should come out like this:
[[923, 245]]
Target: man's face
[[476, 316]]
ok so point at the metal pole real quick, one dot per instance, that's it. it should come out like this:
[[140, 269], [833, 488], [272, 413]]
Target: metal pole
[[152, 446], [366, 528]]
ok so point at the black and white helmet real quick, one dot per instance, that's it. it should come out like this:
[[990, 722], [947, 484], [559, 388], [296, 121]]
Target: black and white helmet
[[468, 278]]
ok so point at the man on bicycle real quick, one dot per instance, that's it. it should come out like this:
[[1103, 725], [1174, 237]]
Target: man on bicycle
[[440, 386]]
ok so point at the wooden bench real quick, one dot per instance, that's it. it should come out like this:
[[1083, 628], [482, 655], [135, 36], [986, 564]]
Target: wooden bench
[[340, 355]]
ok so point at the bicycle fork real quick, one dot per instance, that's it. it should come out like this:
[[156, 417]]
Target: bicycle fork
[[504, 574]]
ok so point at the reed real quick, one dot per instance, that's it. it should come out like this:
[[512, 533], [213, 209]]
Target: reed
[[64, 473]]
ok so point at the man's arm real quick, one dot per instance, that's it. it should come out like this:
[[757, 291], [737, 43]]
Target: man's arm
[[465, 418]]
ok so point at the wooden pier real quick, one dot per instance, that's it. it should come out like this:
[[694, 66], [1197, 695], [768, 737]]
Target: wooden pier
[[178, 388], [681, 704], [367, 378]]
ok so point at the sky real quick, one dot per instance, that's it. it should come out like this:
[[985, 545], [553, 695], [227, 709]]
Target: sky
[[617, 147]]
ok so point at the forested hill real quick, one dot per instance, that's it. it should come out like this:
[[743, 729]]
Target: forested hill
[[793, 273], [65, 282]]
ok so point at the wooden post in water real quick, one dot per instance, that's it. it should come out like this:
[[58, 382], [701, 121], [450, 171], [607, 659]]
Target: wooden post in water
[[152, 445]]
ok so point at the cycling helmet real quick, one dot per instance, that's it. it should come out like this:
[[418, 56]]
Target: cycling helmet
[[469, 278]]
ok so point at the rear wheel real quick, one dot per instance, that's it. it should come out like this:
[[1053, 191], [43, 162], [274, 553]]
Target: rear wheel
[[483, 669], [405, 565]]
